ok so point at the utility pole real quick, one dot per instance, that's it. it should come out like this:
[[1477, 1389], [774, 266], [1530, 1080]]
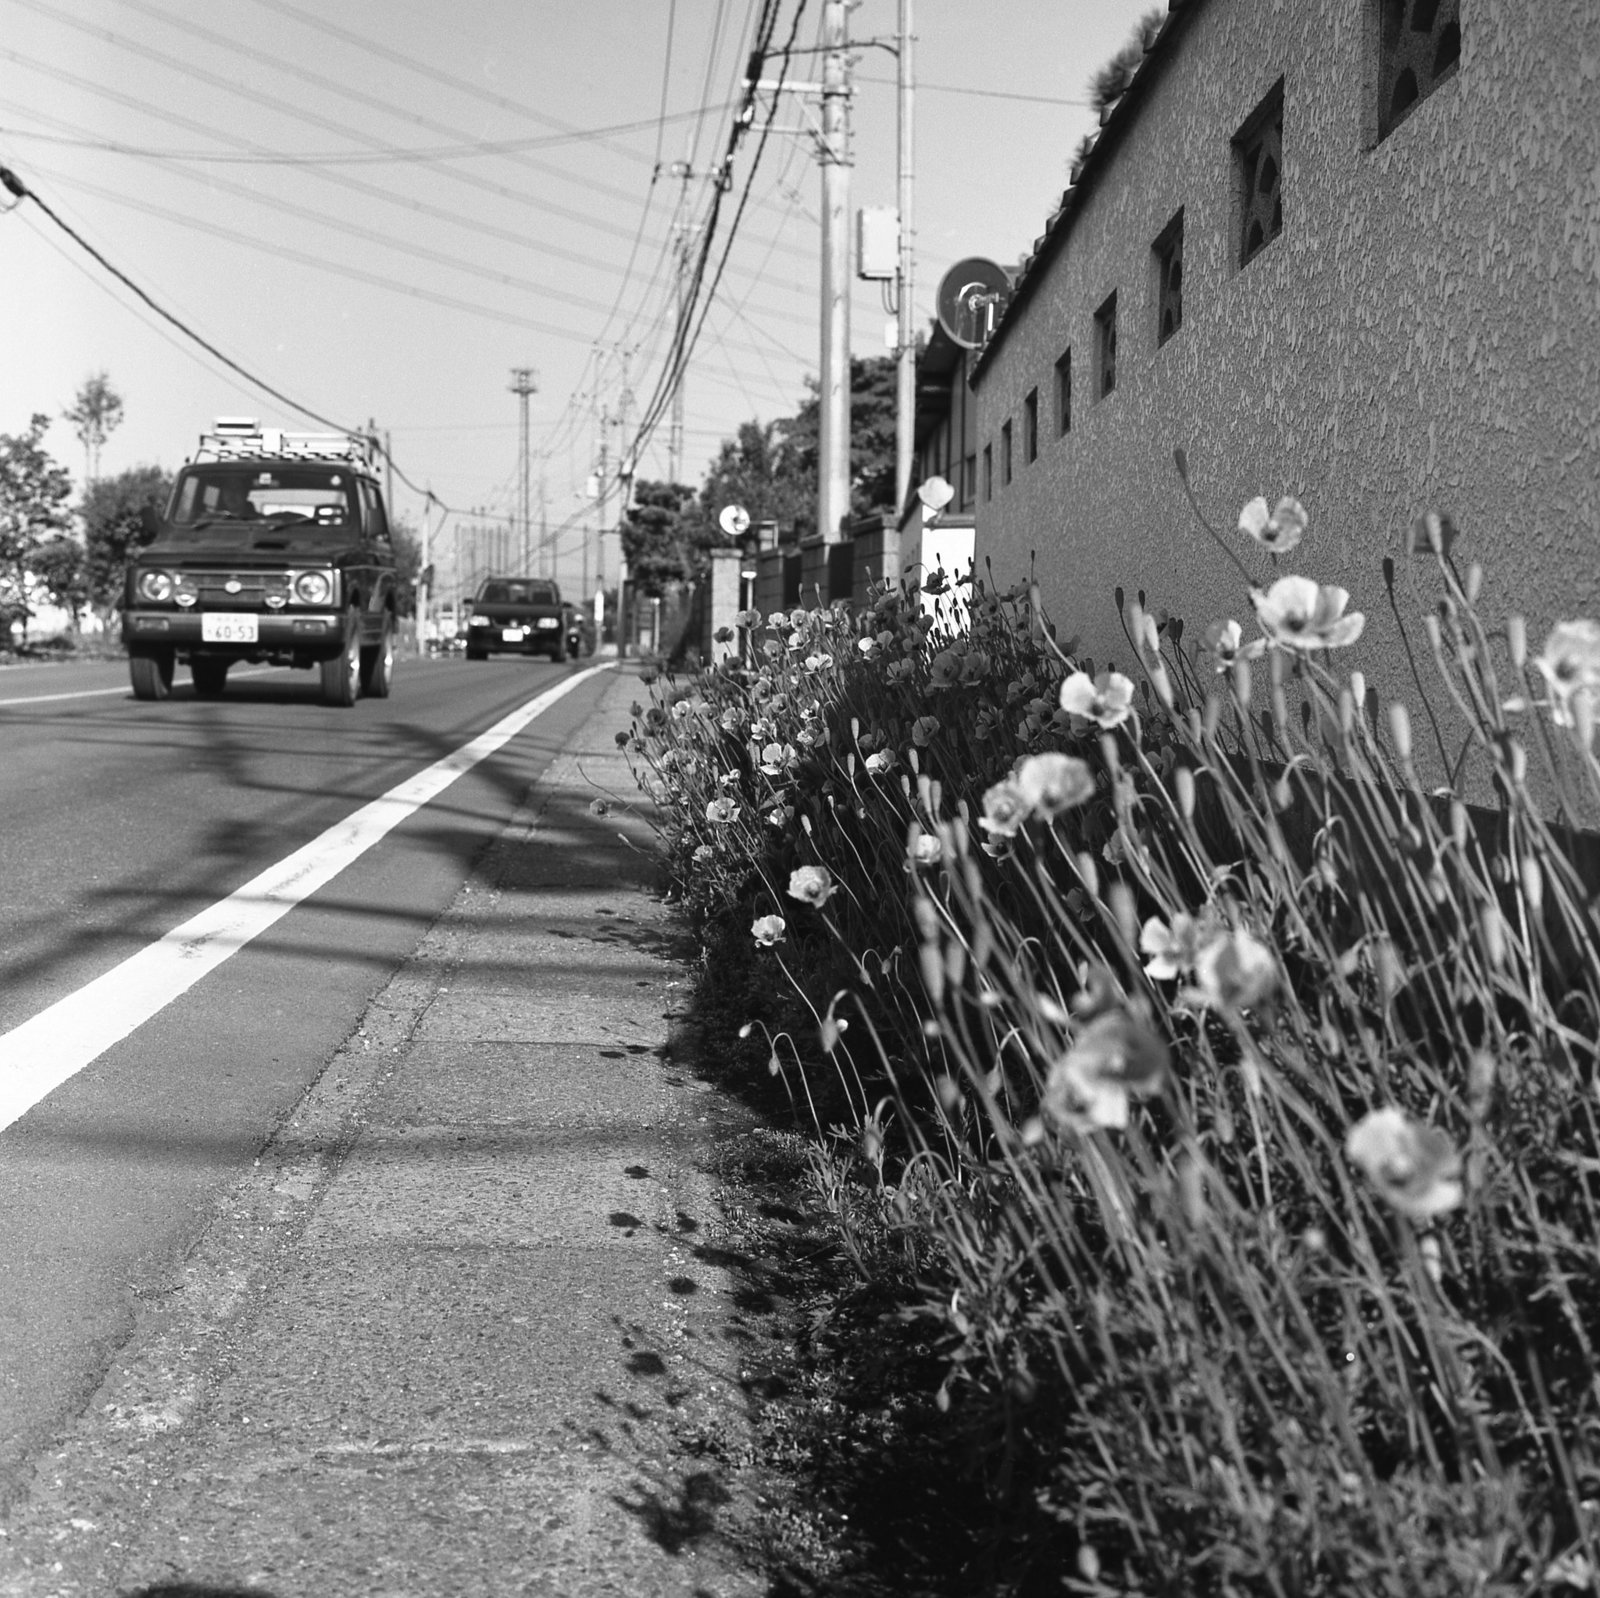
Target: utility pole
[[522, 385], [833, 487], [684, 235], [544, 525], [905, 425]]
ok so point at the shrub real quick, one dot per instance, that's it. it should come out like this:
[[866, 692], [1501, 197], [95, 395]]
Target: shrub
[[1243, 1088]]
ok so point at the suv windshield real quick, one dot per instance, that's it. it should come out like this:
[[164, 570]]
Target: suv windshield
[[300, 496], [502, 591]]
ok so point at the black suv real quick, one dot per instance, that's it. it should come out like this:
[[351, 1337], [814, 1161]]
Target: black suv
[[275, 547]]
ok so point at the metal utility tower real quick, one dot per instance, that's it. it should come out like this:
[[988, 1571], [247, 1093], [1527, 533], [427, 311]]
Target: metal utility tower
[[522, 385], [833, 496]]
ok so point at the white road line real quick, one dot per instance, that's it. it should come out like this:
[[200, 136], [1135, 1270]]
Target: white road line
[[53, 1046], [124, 690]]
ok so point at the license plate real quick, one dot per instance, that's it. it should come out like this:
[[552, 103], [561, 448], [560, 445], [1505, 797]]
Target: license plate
[[225, 629], [512, 635]]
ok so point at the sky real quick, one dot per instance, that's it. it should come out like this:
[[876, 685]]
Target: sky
[[382, 208]]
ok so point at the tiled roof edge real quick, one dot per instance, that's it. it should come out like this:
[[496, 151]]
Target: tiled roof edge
[[1112, 121]]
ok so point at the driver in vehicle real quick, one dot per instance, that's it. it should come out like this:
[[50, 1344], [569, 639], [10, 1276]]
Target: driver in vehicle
[[233, 499]]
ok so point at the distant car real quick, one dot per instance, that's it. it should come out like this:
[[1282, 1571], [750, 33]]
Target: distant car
[[274, 547], [519, 616]]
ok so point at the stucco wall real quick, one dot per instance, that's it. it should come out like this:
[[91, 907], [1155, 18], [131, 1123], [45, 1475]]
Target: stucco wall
[[1423, 335]]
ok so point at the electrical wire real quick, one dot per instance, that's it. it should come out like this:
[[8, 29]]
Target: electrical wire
[[684, 340], [387, 155], [342, 224], [16, 186]]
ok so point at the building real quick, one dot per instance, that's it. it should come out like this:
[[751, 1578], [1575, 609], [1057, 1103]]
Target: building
[[1348, 250]]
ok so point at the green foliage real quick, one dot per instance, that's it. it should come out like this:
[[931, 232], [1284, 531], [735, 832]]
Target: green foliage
[[756, 469], [34, 491], [112, 528], [59, 567], [96, 413], [1244, 1095], [872, 438], [657, 541], [408, 564]]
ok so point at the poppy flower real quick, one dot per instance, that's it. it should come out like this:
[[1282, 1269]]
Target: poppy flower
[[1301, 614], [1279, 530], [1570, 664], [1053, 782], [1004, 810], [1114, 1059], [1415, 1168], [1225, 641], [1106, 699], [813, 885]]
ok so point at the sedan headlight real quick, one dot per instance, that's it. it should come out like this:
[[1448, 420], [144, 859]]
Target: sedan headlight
[[155, 586], [313, 588], [477, 621]]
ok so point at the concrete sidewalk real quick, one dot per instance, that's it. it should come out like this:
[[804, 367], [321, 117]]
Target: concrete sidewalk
[[463, 1329]]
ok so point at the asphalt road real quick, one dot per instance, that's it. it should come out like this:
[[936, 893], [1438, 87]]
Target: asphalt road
[[118, 821]]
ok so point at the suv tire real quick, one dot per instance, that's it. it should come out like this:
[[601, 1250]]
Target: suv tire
[[210, 676], [341, 676], [151, 675], [377, 663]]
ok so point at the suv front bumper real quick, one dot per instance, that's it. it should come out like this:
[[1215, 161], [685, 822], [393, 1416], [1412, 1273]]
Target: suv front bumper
[[315, 635]]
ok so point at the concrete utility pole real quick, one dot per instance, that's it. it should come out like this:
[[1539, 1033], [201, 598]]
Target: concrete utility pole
[[522, 385], [905, 426], [684, 233], [833, 486], [544, 525]]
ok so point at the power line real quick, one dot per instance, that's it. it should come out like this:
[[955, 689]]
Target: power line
[[385, 155], [985, 94], [16, 186], [341, 224]]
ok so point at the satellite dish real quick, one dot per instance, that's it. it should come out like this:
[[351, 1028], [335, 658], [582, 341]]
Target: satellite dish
[[935, 494], [972, 295], [734, 520]]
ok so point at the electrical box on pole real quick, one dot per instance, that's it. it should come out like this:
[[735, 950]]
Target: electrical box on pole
[[877, 243]]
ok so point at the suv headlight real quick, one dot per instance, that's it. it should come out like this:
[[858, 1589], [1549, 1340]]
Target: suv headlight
[[313, 588], [155, 586], [477, 621]]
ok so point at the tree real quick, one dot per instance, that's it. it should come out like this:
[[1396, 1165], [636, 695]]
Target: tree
[[59, 567], [34, 490], [95, 415], [655, 540], [872, 438], [756, 470], [407, 564], [112, 527]]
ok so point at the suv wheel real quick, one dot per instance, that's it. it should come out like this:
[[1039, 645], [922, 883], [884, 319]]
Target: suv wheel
[[151, 675], [377, 663], [210, 676], [341, 676]]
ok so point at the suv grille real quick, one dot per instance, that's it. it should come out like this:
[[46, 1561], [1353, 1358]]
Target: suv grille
[[249, 588]]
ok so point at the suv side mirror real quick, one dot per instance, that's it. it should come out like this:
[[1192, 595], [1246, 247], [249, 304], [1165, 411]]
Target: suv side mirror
[[149, 524]]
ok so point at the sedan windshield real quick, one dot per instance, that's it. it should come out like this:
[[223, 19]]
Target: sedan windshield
[[305, 497], [503, 591]]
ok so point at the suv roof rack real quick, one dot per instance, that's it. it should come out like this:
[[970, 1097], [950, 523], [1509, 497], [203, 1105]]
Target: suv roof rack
[[237, 438]]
